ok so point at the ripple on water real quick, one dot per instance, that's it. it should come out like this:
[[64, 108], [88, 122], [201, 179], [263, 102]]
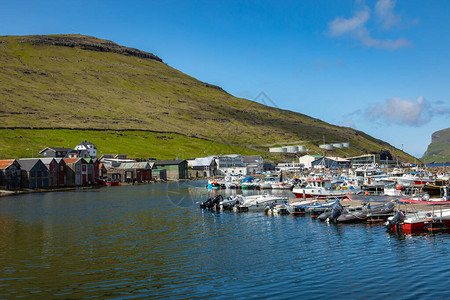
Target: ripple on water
[[132, 242]]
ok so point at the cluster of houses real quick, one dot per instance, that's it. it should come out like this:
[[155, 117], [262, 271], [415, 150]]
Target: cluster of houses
[[65, 167]]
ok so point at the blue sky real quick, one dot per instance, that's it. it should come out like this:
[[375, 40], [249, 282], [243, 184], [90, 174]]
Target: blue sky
[[379, 66]]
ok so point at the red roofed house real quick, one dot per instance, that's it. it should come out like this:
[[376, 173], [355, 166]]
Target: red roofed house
[[10, 174], [76, 172]]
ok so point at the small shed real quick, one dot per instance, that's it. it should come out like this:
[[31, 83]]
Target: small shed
[[135, 171], [10, 174], [176, 169]]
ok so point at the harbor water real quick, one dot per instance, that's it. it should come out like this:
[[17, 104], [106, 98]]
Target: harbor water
[[153, 241]]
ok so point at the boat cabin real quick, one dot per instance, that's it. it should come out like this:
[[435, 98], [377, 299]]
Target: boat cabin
[[319, 183]]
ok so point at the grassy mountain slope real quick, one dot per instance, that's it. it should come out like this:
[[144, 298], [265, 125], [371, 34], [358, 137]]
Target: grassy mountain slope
[[439, 149], [80, 82]]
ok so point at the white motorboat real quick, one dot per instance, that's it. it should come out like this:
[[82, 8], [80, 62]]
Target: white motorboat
[[282, 185], [322, 188], [258, 202], [280, 209]]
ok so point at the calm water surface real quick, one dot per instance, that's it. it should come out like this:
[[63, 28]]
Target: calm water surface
[[152, 241]]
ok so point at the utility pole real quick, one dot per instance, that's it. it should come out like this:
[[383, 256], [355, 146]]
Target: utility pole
[[32, 155]]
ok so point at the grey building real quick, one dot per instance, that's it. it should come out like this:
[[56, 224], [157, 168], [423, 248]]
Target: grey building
[[206, 166], [34, 173]]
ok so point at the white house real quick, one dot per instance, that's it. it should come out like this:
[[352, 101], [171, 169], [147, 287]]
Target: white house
[[231, 164], [87, 146], [307, 160]]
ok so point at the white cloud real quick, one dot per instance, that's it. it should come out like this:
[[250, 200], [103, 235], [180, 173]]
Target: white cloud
[[341, 26], [356, 27], [406, 112], [443, 111], [388, 44], [384, 12]]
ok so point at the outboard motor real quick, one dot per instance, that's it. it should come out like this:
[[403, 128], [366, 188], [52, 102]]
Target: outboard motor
[[206, 204], [212, 203], [389, 206], [397, 219], [216, 202], [335, 212], [324, 216]]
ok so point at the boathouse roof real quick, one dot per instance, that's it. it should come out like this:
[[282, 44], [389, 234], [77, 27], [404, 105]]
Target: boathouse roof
[[5, 163], [203, 161], [28, 163], [169, 162]]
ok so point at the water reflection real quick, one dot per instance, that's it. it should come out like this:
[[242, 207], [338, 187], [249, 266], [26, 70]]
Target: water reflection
[[153, 241]]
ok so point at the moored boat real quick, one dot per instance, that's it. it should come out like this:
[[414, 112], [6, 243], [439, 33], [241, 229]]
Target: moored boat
[[280, 209], [322, 189], [377, 212], [213, 185], [107, 181], [258, 202], [419, 221], [427, 200]]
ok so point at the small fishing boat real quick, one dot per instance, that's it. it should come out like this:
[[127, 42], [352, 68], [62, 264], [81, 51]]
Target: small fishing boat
[[107, 181], [367, 212], [229, 202], [331, 215], [280, 209], [213, 185], [212, 203], [418, 177], [282, 185], [419, 220], [322, 188], [426, 200], [371, 198], [258, 202], [298, 208]]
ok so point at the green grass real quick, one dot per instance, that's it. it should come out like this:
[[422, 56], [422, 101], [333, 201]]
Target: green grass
[[137, 144], [439, 149], [47, 86]]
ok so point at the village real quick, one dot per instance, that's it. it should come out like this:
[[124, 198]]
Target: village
[[59, 167]]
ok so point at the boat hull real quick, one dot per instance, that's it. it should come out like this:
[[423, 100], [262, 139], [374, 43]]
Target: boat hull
[[325, 194], [423, 202]]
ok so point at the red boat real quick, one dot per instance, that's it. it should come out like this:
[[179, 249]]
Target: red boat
[[107, 181], [425, 199], [421, 220], [438, 201]]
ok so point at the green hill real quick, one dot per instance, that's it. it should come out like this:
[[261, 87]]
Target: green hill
[[57, 89], [439, 149]]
